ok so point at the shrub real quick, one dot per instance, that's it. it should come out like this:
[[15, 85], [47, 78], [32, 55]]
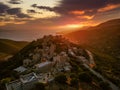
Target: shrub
[[74, 82], [104, 85], [61, 79], [84, 77], [39, 86]]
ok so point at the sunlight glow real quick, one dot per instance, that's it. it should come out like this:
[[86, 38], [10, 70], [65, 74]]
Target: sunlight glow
[[72, 26]]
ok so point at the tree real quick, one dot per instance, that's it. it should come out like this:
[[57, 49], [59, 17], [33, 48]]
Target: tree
[[39, 86], [104, 85], [74, 82], [61, 79], [73, 75], [5, 80], [84, 77]]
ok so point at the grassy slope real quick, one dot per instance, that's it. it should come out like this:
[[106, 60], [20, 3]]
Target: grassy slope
[[103, 41], [9, 47], [104, 37]]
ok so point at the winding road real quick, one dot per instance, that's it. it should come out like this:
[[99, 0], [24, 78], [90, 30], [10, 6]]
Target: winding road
[[91, 60]]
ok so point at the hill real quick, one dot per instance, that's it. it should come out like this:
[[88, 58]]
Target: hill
[[104, 37], [56, 63], [10, 47], [103, 41]]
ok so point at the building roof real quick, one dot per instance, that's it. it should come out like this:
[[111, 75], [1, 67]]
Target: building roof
[[20, 69], [43, 64], [14, 85], [28, 78]]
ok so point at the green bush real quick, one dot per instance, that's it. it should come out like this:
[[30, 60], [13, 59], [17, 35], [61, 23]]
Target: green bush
[[39, 86], [84, 77], [74, 82], [104, 86], [61, 79]]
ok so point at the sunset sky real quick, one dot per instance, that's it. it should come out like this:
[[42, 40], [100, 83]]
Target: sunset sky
[[40, 17]]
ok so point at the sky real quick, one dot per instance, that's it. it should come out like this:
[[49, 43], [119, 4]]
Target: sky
[[30, 19]]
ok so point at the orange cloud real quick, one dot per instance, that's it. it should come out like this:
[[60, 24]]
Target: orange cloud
[[2, 24], [108, 7], [86, 17], [77, 12]]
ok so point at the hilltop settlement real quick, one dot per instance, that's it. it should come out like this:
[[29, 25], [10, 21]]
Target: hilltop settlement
[[55, 63]]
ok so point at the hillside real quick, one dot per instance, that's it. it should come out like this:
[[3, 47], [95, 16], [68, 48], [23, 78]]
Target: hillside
[[104, 41], [10, 47], [53, 63], [104, 37]]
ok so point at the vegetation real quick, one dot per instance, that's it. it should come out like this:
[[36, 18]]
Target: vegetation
[[84, 77], [80, 77], [108, 67], [103, 41], [61, 79], [105, 86], [74, 82], [39, 86], [10, 47]]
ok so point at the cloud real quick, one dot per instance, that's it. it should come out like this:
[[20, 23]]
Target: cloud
[[45, 8], [86, 17], [89, 7], [14, 11], [42, 7], [2, 14], [109, 7], [77, 12], [31, 11], [15, 1], [69, 11], [67, 6], [34, 5], [17, 12], [22, 15], [3, 8]]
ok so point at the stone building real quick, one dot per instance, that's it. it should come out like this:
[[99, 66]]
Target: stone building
[[44, 66], [26, 82], [27, 62], [36, 57], [52, 49]]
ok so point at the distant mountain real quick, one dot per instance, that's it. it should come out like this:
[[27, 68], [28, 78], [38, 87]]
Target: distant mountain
[[71, 30], [10, 47], [104, 41]]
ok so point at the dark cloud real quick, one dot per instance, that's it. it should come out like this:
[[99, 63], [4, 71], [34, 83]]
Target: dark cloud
[[3, 8], [67, 6], [15, 1], [90, 7], [17, 12], [14, 11], [22, 15], [34, 5], [43, 7], [31, 11], [2, 14]]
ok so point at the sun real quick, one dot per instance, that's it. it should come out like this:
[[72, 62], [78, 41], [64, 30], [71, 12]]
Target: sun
[[72, 26]]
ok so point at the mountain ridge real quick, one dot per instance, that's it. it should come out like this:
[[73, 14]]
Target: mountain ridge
[[106, 33], [10, 47]]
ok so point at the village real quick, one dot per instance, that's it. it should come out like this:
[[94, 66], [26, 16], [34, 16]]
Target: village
[[46, 61]]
